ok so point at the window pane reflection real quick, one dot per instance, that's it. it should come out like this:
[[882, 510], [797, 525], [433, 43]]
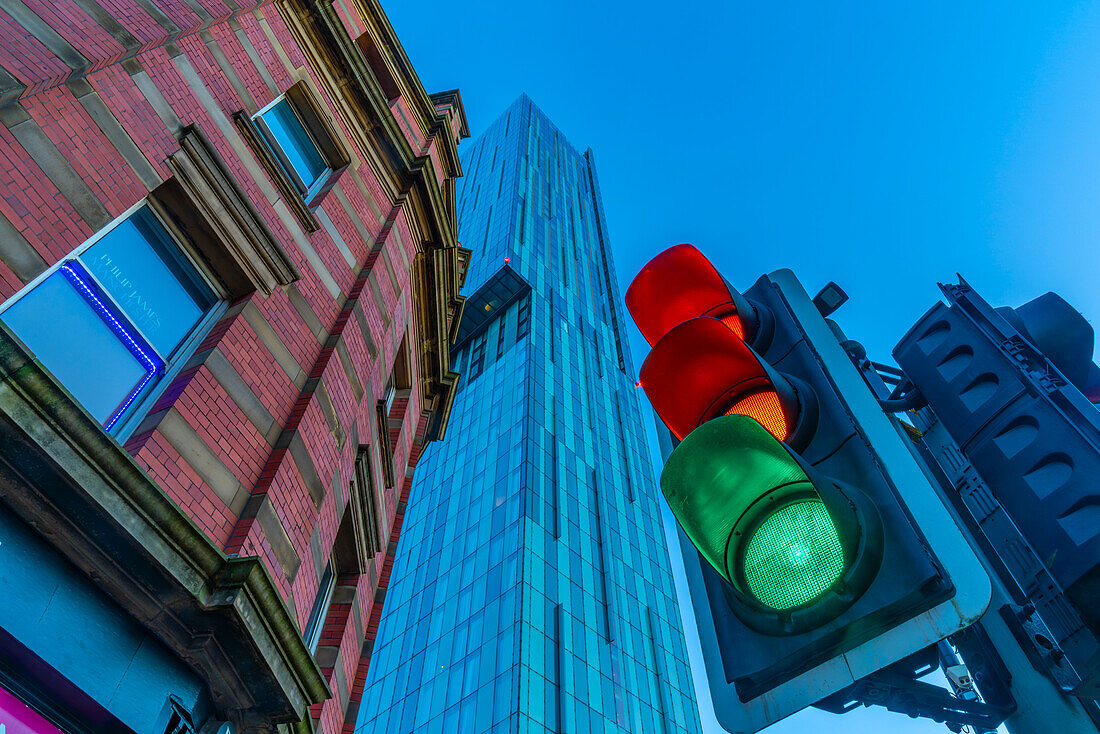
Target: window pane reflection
[[133, 265], [295, 143], [74, 343]]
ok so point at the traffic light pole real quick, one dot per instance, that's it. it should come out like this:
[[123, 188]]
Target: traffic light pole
[[1043, 708]]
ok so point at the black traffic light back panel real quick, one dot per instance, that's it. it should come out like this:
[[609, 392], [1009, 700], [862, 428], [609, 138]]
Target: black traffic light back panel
[[1032, 436]]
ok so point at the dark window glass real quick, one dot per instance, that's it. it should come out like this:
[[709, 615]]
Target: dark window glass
[[477, 357], [502, 331], [522, 313], [290, 138]]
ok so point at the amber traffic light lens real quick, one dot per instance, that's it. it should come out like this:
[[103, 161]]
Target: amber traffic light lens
[[733, 321], [766, 409]]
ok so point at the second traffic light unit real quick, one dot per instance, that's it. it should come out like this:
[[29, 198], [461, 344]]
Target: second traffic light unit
[[809, 550]]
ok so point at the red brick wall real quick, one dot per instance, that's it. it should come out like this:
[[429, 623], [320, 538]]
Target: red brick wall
[[201, 427]]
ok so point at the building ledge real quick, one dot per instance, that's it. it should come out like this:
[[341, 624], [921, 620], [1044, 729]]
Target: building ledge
[[87, 497], [501, 290]]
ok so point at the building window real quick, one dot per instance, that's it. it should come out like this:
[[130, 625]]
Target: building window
[[502, 330], [522, 315], [362, 488], [298, 154], [297, 142], [385, 446], [477, 357], [312, 633], [112, 319], [389, 395]]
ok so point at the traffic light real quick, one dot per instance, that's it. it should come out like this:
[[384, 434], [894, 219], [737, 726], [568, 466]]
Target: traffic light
[[815, 548], [795, 548], [1013, 388], [687, 377]]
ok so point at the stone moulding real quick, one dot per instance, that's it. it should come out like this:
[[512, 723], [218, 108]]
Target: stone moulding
[[239, 230], [87, 497], [407, 176]]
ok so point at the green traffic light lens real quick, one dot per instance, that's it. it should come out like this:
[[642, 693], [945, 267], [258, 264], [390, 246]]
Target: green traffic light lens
[[795, 547], [794, 556]]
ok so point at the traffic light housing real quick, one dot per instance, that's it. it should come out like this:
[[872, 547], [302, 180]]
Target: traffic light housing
[[801, 547], [1013, 387]]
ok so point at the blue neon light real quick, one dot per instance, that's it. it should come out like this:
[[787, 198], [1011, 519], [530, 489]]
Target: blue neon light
[[153, 364]]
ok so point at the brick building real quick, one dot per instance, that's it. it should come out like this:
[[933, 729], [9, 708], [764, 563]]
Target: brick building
[[228, 283]]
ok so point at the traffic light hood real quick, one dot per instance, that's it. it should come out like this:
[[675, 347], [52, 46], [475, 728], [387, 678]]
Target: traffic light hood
[[1062, 334], [700, 370], [680, 283]]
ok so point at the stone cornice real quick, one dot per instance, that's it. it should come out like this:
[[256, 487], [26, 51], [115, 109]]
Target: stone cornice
[[88, 498], [421, 102], [352, 87], [453, 98], [407, 176]]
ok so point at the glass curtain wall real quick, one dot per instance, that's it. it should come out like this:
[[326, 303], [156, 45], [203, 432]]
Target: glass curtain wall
[[531, 589]]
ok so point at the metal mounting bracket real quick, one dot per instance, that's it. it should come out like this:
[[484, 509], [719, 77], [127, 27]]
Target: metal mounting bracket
[[897, 688]]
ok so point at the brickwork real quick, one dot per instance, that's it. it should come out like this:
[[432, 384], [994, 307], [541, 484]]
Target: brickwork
[[255, 437]]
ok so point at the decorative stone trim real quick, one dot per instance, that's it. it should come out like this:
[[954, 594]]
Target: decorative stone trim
[[407, 176], [66, 478], [234, 237]]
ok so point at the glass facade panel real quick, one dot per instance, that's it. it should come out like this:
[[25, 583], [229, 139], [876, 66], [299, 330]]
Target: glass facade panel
[[532, 541]]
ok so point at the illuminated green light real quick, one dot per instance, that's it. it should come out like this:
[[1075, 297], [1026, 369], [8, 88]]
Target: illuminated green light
[[794, 556], [716, 474]]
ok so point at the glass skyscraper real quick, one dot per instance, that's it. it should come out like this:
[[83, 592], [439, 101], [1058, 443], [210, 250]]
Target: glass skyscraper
[[531, 589]]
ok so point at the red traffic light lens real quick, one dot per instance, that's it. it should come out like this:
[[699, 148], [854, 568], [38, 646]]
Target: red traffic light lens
[[680, 284], [700, 370]]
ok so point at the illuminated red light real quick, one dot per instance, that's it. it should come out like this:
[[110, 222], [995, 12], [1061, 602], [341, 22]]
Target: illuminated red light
[[507, 260], [678, 284], [701, 369]]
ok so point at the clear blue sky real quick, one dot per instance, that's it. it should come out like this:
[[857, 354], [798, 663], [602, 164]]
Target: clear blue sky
[[885, 146]]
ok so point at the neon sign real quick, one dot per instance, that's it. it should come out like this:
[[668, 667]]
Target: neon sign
[[74, 273], [17, 717]]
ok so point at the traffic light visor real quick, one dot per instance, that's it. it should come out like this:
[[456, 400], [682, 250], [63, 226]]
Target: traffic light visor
[[700, 370], [678, 284], [795, 548]]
